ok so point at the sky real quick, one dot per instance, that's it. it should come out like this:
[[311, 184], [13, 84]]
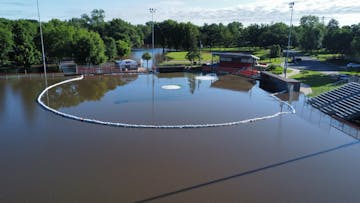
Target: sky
[[347, 12]]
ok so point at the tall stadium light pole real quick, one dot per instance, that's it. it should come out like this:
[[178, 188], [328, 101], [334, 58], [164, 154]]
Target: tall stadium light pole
[[42, 39], [152, 11], [291, 6]]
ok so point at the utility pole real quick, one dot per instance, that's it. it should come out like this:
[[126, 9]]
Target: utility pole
[[42, 40], [152, 11], [291, 6]]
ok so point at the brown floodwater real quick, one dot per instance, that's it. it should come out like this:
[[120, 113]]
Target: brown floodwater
[[302, 157]]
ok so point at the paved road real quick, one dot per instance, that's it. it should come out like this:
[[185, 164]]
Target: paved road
[[309, 63]]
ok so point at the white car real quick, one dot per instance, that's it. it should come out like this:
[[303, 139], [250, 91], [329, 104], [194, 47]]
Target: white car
[[353, 65]]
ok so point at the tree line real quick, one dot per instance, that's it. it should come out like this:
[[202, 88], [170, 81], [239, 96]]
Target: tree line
[[90, 39]]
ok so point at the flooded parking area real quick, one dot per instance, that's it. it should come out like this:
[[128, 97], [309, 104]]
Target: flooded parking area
[[302, 157]]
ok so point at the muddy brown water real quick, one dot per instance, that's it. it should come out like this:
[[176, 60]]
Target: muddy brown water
[[48, 158]]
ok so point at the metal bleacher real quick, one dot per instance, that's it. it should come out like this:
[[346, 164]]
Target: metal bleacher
[[343, 102]]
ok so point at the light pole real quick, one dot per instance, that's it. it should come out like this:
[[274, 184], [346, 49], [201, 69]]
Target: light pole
[[152, 11], [291, 6], [42, 40]]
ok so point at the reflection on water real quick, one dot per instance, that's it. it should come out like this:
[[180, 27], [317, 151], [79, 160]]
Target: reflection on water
[[235, 83], [144, 102], [24, 90], [3, 86], [91, 89]]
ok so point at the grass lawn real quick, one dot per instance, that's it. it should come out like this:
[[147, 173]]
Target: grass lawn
[[179, 58], [319, 82], [279, 70], [238, 49], [333, 58], [357, 73]]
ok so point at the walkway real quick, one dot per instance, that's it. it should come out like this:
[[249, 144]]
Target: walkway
[[304, 88]]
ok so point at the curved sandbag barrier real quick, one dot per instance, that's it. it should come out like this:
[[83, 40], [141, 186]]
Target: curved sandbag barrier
[[127, 125]]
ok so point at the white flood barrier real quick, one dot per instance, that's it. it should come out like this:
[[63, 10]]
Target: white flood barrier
[[127, 125]]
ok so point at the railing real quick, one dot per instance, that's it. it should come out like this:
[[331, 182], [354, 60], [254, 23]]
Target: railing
[[101, 69]]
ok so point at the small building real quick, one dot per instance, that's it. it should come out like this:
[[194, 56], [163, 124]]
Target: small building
[[234, 63], [127, 64], [68, 67]]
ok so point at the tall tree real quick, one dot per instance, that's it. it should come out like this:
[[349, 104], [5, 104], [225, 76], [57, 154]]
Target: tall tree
[[312, 33], [190, 36], [146, 56], [355, 45], [24, 50], [89, 48], [253, 33], [275, 51], [97, 21], [121, 30], [6, 44], [274, 34], [236, 30], [59, 38], [123, 48], [192, 56], [110, 48]]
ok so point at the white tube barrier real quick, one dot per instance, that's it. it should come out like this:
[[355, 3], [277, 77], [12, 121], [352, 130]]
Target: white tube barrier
[[127, 125]]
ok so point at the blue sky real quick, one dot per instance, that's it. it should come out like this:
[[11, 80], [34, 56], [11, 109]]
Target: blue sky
[[347, 12]]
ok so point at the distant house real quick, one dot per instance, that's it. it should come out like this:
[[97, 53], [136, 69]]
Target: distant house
[[234, 63]]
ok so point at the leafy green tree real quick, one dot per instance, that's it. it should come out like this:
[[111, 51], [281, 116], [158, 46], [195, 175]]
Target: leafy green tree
[[146, 56], [59, 37], [192, 56], [355, 45], [274, 34], [110, 48], [275, 51], [6, 44], [121, 30], [144, 32], [123, 48], [24, 50], [236, 29], [190, 36], [89, 48], [97, 21], [211, 35], [312, 33], [165, 33], [252, 34]]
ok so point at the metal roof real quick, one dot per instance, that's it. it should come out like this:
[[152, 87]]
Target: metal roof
[[343, 102]]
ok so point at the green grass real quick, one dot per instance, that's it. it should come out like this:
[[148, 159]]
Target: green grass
[[239, 49], [179, 55], [278, 70], [325, 56], [318, 82], [175, 63], [275, 61], [179, 58], [350, 73]]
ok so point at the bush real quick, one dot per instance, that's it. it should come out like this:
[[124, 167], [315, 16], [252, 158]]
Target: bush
[[275, 51], [272, 67]]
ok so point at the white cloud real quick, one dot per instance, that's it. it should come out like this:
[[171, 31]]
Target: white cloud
[[196, 11], [347, 12]]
